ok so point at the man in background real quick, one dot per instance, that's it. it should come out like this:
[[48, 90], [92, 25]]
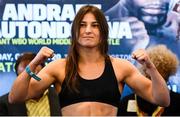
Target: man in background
[[46, 105]]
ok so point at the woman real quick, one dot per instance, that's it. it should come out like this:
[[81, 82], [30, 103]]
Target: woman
[[88, 81]]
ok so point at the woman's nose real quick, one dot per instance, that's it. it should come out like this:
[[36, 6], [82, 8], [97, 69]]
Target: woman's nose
[[88, 29]]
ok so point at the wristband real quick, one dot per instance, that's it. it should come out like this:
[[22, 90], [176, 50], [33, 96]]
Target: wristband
[[32, 74]]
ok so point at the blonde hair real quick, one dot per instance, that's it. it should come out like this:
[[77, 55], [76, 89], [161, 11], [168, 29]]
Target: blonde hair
[[164, 59]]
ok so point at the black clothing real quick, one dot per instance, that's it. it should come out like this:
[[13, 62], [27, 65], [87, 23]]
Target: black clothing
[[172, 110], [103, 89]]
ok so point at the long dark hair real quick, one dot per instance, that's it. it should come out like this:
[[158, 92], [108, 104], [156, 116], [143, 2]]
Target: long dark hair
[[73, 54]]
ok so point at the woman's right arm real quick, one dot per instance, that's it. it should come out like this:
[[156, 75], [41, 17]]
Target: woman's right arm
[[25, 87]]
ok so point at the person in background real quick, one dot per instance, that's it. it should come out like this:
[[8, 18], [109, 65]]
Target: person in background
[[166, 63], [31, 107], [88, 80]]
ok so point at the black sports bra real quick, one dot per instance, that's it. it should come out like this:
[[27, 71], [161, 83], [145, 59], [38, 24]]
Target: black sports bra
[[103, 89]]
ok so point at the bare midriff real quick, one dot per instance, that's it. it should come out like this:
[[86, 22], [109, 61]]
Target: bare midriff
[[89, 109]]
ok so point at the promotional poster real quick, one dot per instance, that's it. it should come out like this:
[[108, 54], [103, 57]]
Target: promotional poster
[[26, 26]]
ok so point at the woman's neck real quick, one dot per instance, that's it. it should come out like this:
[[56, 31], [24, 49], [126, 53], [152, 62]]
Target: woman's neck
[[90, 55]]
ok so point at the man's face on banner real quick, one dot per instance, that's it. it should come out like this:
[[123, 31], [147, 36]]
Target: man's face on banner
[[152, 12]]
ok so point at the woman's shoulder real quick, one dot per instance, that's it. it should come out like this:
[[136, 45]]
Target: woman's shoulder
[[57, 63], [123, 64], [119, 60], [61, 60]]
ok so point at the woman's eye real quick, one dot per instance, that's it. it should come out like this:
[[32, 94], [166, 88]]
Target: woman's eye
[[95, 25], [83, 25]]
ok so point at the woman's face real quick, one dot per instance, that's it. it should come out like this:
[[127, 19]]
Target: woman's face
[[89, 31]]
